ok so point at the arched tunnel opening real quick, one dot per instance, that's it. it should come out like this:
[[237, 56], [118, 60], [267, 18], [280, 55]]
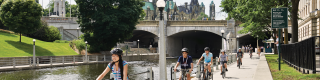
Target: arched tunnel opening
[[195, 41], [246, 40], [145, 39]]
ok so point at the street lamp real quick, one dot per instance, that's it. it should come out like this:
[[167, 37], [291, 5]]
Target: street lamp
[[86, 52], [222, 32], [138, 47], [238, 42], [34, 52], [162, 53], [161, 4], [78, 32]]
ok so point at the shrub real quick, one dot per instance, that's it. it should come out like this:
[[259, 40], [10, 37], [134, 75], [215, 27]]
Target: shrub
[[61, 41], [46, 33]]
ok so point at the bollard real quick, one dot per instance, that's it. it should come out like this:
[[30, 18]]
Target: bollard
[[217, 63], [150, 77], [62, 60], [97, 58], [14, 63], [51, 61], [37, 61], [88, 59], [83, 60], [104, 57], [173, 74], [30, 61], [198, 71], [74, 60]]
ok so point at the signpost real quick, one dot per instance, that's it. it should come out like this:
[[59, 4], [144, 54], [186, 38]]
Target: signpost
[[279, 20]]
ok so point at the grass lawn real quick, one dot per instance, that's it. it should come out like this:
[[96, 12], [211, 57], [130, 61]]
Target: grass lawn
[[287, 72], [11, 47]]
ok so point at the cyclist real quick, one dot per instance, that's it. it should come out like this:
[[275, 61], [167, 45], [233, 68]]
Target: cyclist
[[224, 59], [207, 59], [118, 66], [186, 63], [239, 55]]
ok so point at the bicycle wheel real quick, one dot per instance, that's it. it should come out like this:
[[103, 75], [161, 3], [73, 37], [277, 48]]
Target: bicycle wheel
[[239, 63], [223, 73]]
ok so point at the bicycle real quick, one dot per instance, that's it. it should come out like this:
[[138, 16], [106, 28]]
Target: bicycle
[[184, 74], [205, 73], [239, 62], [223, 70]]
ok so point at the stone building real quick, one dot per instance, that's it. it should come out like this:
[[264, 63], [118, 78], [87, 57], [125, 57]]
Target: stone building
[[183, 12], [212, 11], [308, 26]]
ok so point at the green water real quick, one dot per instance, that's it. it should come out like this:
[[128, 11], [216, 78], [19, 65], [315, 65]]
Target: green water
[[85, 72]]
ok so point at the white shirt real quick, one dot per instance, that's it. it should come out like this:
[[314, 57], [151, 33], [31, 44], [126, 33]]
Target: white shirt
[[277, 42]]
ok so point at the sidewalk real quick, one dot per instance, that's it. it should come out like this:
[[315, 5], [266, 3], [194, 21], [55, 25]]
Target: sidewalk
[[251, 69]]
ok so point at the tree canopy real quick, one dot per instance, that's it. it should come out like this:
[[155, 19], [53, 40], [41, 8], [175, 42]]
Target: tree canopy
[[202, 15], [254, 14], [106, 22], [21, 16]]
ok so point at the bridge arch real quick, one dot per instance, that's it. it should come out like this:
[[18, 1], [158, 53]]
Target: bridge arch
[[195, 40], [175, 30]]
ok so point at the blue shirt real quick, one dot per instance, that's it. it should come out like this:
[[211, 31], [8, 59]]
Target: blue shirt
[[117, 74], [185, 62], [207, 59]]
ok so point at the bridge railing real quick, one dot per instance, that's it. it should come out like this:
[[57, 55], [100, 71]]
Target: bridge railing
[[60, 19]]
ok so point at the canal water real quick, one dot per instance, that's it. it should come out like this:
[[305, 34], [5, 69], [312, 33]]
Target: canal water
[[87, 72]]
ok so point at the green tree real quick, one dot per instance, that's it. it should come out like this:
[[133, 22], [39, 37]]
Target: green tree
[[202, 15], [21, 16], [106, 22], [255, 15]]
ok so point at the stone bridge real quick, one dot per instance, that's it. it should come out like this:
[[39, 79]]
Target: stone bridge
[[194, 35]]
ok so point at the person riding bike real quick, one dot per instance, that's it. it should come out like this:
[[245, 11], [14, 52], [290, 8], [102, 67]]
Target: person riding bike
[[186, 63], [208, 58], [240, 56], [224, 59]]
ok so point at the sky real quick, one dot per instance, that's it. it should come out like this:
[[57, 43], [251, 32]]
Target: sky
[[219, 15]]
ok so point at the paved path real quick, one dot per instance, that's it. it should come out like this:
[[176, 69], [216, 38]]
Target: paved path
[[251, 69]]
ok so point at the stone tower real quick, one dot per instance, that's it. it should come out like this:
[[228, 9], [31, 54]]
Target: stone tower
[[59, 8], [212, 11]]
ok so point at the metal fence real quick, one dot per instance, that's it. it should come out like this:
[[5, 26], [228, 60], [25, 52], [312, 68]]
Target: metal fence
[[301, 55], [56, 60]]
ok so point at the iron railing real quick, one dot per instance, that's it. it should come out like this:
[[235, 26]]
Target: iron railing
[[301, 55]]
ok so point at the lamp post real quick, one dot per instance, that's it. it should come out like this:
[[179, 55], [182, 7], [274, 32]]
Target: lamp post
[[162, 53], [86, 52], [257, 42], [78, 32], [222, 32], [237, 42], [34, 52], [138, 47]]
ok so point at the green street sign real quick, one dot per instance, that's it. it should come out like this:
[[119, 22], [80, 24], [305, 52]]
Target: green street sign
[[279, 18]]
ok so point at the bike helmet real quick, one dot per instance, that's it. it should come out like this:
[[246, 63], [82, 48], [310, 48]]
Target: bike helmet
[[239, 49], [117, 51], [222, 51], [206, 49], [185, 50]]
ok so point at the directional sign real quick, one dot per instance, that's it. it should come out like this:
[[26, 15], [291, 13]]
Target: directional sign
[[279, 17]]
